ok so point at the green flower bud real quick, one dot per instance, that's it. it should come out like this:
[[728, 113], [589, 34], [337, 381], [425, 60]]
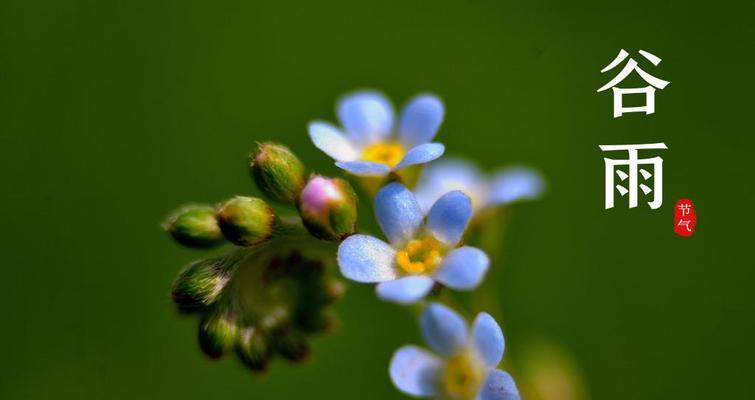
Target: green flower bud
[[325, 291], [328, 208], [253, 350], [335, 290], [266, 301], [318, 322], [199, 284], [194, 226], [292, 346], [277, 172], [246, 221], [218, 332]]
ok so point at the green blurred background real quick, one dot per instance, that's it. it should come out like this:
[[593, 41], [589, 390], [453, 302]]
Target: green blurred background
[[114, 112]]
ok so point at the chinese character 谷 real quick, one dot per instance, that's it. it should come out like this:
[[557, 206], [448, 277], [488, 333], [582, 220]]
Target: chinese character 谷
[[633, 173], [618, 93]]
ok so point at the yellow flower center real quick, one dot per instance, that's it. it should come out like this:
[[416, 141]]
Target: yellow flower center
[[388, 153], [420, 256], [463, 375]]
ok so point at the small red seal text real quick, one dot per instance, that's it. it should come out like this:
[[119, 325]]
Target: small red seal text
[[685, 217]]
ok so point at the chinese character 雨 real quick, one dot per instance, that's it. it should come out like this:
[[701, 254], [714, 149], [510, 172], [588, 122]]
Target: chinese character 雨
[[633, 174], [618, 93]]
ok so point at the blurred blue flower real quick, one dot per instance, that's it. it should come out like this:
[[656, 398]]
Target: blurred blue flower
[[373, 145], [421, 251], [463, 363], [504, 187]]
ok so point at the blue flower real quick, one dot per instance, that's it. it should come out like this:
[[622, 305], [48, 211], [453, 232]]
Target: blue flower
[[373, 145], [422, 250], [463, 363], [506, 186]]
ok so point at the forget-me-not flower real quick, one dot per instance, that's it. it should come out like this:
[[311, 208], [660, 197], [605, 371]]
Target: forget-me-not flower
[[463, 365], [506, 186], [422, 250], [373, 143]]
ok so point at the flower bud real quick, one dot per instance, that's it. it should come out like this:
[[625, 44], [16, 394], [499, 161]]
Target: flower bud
[[319, 322], [246, 221], [200, 284], [328, 208], [194, 226], [253, 350], [327, 292], [217, 333], [335, 290], [277, 172], [291, 345]]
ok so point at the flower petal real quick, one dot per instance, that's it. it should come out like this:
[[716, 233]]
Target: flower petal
[[449, 216], [488, 339], [499, 385], [329, 139], [415, 371], [517, 183], [420, 120], [447, 174], [367, 116], [364, 258], [398, 213], [364, 168], [443, 329], [463, 268], [421, 154], [406, 290]]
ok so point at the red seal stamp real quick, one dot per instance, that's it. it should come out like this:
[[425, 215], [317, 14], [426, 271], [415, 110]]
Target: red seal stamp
[[685, 217]]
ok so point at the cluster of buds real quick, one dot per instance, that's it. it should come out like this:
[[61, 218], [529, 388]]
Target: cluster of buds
[[327, 206], [269, 293], [258, 304]]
